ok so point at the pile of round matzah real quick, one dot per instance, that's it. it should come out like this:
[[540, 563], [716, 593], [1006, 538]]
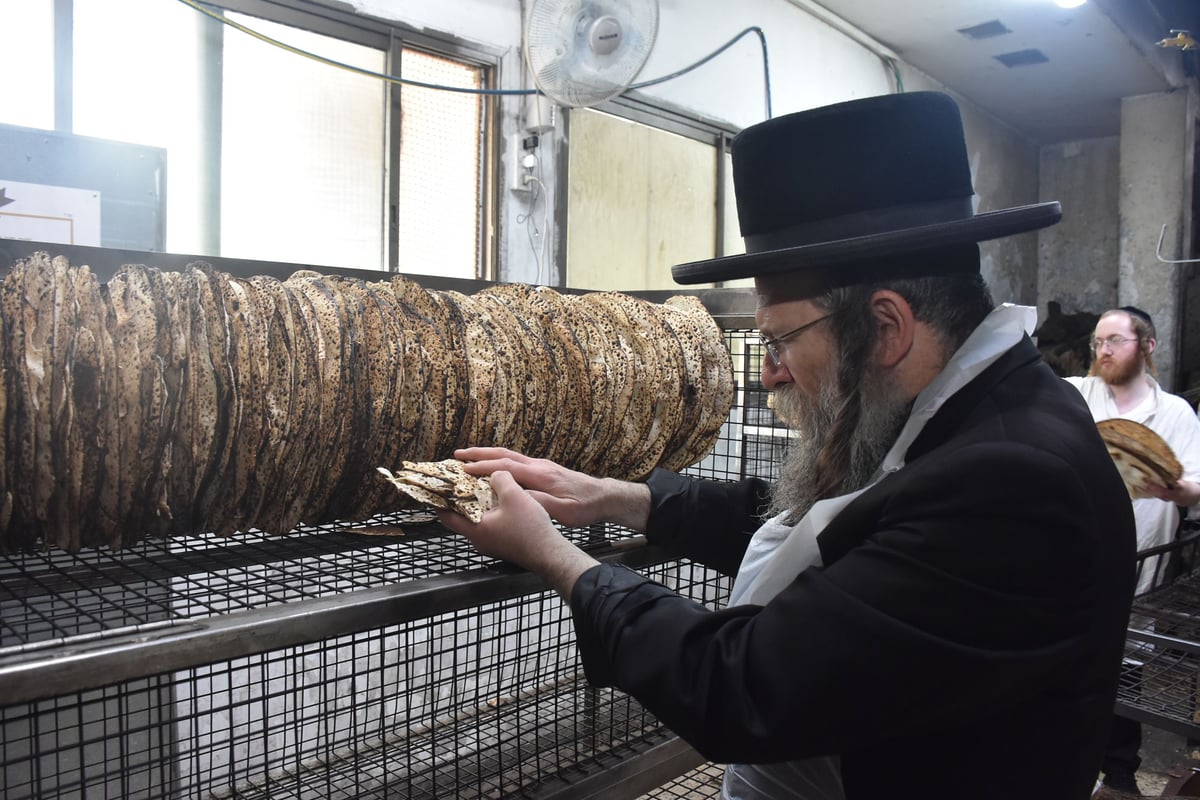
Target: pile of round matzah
[[174, 403]]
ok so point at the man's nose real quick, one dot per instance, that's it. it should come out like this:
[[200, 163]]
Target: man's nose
[[774, 376]]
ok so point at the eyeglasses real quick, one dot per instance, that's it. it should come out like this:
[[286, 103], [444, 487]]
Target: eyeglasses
[[772, 345], [1112, 342]]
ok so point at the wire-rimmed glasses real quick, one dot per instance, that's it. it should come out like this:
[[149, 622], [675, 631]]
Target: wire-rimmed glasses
[[772, 345], [1112, 343]]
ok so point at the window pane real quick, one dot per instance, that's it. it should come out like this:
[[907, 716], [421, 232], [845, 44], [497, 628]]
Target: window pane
[[639, 201], [440, 168], [136, 80], [302, 177], [27, 98]]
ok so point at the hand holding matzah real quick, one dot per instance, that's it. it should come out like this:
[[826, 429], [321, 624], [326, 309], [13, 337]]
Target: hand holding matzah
[[518, 530], [573, 498], [443, 484]]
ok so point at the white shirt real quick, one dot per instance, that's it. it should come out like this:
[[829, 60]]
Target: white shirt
[[1172, 418], [778, 553]]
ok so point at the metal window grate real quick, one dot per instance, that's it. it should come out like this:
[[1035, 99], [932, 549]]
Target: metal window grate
[[397, 666]]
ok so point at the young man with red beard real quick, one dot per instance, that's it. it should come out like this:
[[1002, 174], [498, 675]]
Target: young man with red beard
[[1120, 383], [931, 600]]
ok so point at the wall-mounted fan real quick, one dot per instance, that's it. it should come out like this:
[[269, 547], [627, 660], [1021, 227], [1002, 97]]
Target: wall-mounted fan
[[582, 52]]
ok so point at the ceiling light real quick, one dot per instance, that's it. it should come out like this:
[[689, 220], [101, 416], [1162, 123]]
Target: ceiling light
[[1069, 3]]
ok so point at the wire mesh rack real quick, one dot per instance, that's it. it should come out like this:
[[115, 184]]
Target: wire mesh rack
[[385, 658], [1160, 675], [702, 782], [481, 702]]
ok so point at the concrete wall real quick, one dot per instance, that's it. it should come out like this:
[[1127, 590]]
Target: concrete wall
[[1155, 189], [1077, 259], [1004, 167]]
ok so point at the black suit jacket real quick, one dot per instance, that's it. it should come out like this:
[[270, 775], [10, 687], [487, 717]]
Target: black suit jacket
[[963, 638]]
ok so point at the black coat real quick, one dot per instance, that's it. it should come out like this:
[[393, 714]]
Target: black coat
[[963, 639]]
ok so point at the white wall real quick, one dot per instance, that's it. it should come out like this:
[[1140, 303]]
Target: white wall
[[811, 64]]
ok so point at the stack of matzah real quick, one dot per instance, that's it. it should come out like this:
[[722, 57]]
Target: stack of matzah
[[174, 403]]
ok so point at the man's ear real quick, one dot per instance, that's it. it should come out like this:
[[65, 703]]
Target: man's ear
[[896, 327], [1150, 345]]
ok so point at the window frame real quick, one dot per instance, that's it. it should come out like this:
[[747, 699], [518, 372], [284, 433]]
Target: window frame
[[391, 37]]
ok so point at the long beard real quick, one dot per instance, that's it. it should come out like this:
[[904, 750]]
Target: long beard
[[884, 412]]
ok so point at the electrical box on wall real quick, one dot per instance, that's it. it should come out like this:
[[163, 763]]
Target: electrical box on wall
[[519, 175], [537, 114]]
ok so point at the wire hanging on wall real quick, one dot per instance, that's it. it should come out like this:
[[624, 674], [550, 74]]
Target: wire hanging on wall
[[471, 90], [1158, 251]]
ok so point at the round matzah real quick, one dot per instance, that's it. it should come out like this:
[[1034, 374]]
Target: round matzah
[[718, 386], [599, 421], [325, 325], [575, 425], [450, 324], [87, 369], [544, 387], [511, 341], [486, 398], [1140, 454], [428, 355]]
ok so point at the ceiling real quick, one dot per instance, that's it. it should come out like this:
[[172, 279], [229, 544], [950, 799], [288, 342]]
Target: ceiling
[[1094, 55]]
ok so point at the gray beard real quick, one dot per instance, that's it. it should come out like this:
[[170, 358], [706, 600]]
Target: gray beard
[[883, 415]]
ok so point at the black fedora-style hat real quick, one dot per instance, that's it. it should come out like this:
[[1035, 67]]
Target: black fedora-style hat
[[876, 181]]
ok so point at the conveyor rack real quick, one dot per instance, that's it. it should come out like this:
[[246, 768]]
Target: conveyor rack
[[328, 663], [1161, 668], [178, 669]]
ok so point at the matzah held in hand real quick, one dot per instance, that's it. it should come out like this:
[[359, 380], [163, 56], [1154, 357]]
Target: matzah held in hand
[[1141, 455], [443, 484]]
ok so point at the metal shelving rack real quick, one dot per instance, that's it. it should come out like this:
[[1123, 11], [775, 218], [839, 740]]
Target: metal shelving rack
[[1160, 679], [383, 658]]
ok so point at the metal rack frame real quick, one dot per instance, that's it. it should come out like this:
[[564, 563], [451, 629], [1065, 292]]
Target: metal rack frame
[[258, 665], [1160, 677]]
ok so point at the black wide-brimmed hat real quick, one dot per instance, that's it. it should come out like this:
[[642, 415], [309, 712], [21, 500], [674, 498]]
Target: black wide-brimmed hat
[[878, 181]]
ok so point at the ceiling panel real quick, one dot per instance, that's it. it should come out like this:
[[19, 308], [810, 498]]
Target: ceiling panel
[[1093, 55]]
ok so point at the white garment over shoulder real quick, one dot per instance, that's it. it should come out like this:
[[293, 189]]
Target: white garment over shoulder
[[778, 553], [1172, 418]]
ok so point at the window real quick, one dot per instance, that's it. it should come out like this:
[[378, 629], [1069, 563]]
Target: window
[[28, 100], [272, 155], [440, 167], [302, 150], [629, 219]]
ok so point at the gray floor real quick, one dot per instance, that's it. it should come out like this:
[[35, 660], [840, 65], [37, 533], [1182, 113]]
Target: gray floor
[[1163, 756]]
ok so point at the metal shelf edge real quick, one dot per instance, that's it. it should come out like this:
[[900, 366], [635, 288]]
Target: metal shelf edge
[[28, 674]]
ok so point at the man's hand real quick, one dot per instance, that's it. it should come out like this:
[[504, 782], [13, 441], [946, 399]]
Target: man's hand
[[1181, 493], [571, 497], [518, 530]]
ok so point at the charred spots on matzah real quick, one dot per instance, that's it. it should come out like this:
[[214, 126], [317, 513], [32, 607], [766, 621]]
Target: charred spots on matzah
[[176, 403]]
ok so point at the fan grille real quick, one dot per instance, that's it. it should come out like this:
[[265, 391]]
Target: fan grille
[[582, 52]]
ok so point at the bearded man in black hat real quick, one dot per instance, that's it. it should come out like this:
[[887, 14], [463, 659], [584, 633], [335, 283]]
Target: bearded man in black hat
[[931, 600]]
